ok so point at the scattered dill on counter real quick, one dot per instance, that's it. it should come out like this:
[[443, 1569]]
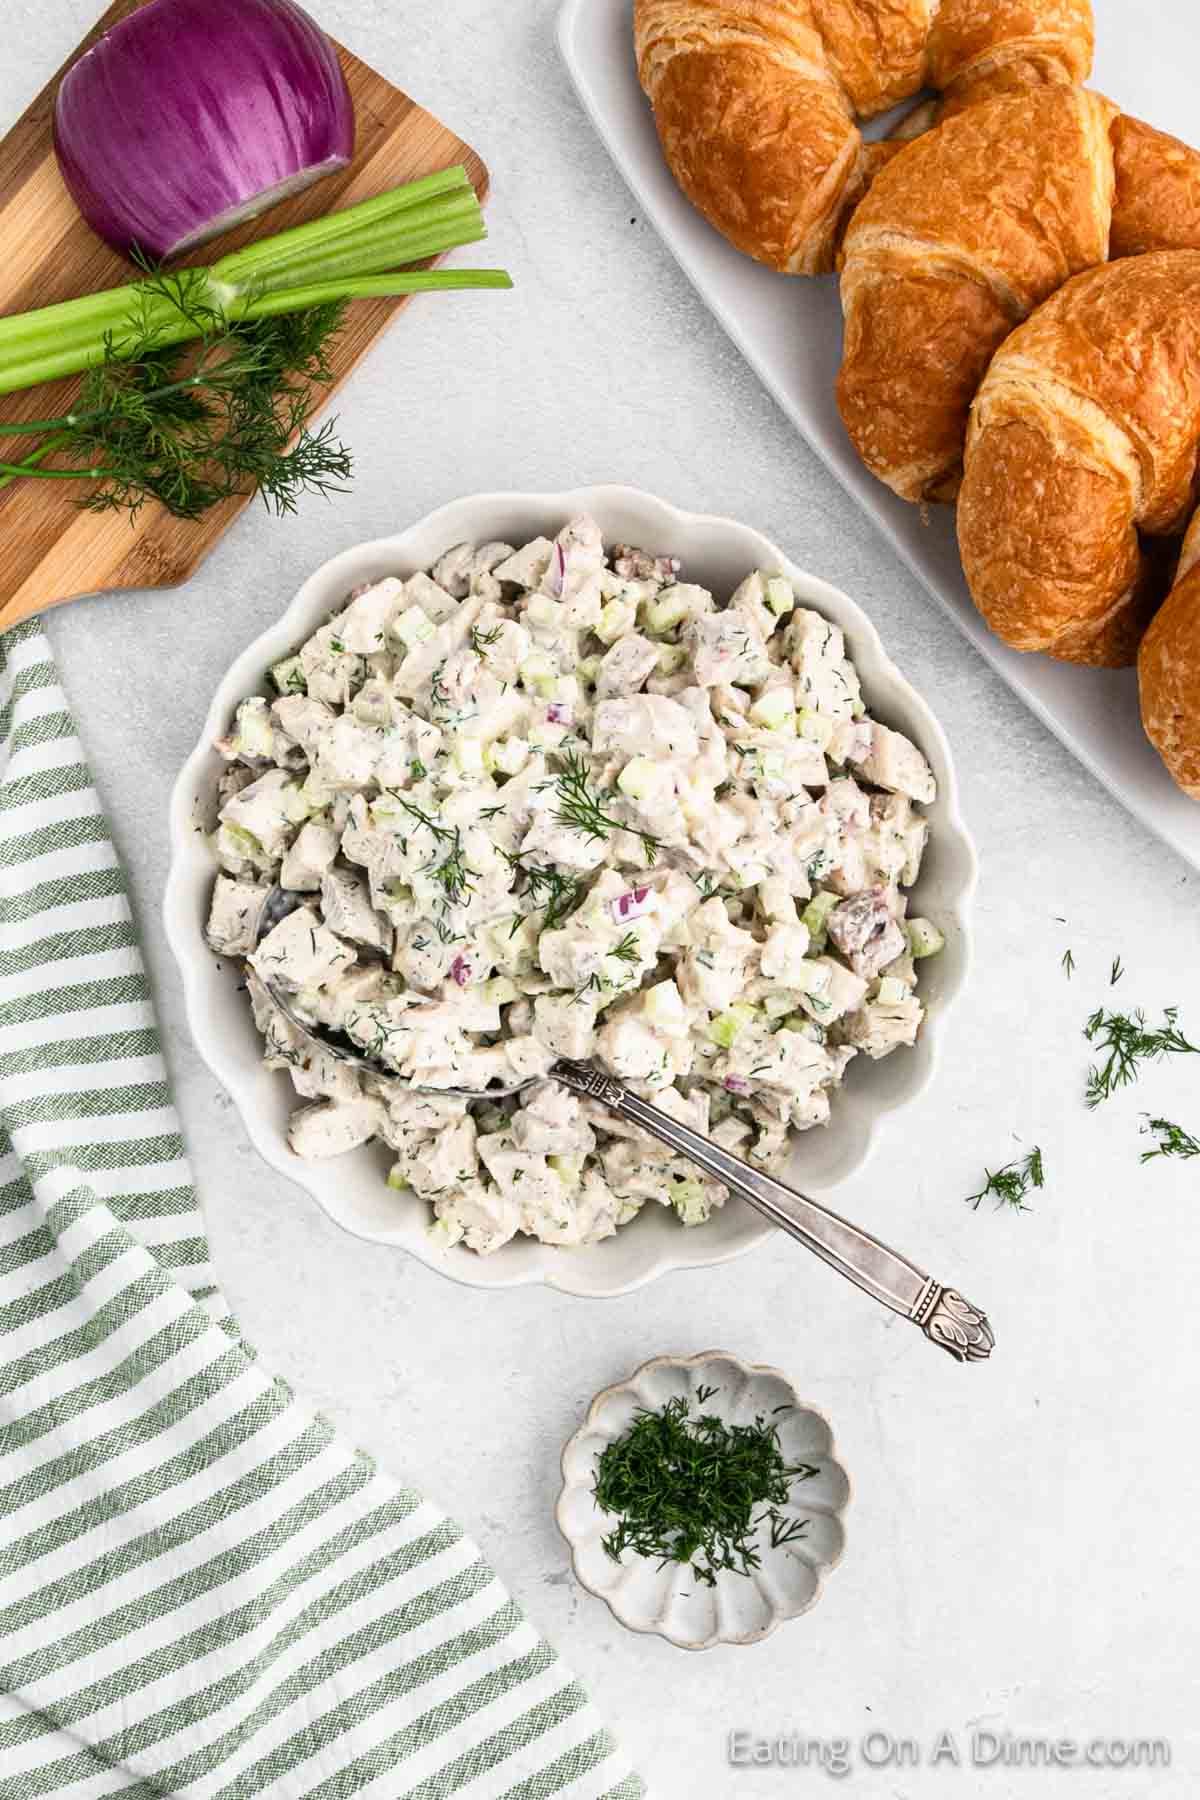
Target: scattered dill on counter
[[1118, 969], [694, 1490], [1173, 1140], [1125, 1043], [1068, 963], [1010, 1185]]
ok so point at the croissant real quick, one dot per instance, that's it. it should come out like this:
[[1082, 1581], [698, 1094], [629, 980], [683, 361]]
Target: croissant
[[1084, 436], [968, 230], [1169, 672], [756, 100]]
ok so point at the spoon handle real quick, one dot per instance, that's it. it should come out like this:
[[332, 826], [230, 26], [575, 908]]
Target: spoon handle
[[942, 1313]]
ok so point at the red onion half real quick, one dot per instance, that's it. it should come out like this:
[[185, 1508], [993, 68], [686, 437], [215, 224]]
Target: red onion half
[[192, 115]]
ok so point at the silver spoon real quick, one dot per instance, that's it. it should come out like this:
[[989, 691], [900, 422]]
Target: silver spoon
[[940, 1312]]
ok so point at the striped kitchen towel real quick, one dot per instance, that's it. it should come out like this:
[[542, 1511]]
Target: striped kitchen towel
[[202, 1591]]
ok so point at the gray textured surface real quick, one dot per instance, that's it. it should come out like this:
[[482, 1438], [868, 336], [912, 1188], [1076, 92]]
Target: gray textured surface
[[1022, 1545]]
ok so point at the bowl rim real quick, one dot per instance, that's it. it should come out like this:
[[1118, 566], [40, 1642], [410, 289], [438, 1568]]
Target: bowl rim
[[590, 1424], [246, 674]]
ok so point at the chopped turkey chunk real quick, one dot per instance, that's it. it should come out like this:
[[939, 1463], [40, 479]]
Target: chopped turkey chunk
[[896, 764], [237, 908], [551, 801]]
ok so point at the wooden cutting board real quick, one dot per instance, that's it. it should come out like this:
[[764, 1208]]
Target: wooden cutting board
[[50, 551]]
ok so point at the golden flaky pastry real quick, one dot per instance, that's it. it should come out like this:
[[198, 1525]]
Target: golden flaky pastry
[[1083, 436], [1169, 672], [967, 231], [756, 100]]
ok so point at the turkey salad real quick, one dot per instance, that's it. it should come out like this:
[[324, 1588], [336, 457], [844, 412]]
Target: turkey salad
[[559, 802]]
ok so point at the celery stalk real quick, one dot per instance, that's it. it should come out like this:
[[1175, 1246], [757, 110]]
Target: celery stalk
[[355, 253]]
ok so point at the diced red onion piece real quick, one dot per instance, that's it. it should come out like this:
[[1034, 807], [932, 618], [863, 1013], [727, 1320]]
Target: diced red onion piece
[[560, 569], [632, 905], [559, 713], [460, 970], [736, 1084]]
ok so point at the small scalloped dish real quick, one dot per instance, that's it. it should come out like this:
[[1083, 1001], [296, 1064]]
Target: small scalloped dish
[[667, 1599]]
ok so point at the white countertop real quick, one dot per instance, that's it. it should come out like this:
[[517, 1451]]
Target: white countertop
[[1021, 1548]]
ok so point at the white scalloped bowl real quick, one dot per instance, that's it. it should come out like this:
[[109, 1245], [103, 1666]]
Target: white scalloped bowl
[[351, 1189], [667, 1599]]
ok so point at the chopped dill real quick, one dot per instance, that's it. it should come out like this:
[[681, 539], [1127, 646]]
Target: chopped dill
[[1173, 1140], [581, 807], [1124, 1042], [689, 1490], [628, 950], [1009, 1186], [1118, 969], [558, 895], [482, 641], [1068, 963]]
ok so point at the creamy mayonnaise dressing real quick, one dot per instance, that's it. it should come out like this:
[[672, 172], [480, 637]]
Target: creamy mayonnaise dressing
[[557, 801]]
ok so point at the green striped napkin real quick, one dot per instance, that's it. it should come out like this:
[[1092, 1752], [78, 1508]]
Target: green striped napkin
[[202, 1591]]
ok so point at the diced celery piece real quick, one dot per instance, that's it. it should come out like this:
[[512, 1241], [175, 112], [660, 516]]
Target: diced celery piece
[[569, 1169], [618, 617], [467, 756], [663, 1006], [637, 777], [289, 676], [235, 840], [298, 803], [666, 612], [816, 917], [543, 613], [588, 668], [443, 1234], [396, 1180], [817, 730], [780, 595], [412, 627], [891, 991], [775, 709], [507, 756], [728, 1025], [253, 735], [777, 1006], [671, 657], [689, 1199], [547, 736], [538, 674], [924, 938], [499, 991]]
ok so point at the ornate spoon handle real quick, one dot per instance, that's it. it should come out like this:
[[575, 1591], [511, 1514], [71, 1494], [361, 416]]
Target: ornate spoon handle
[[942, 1314]]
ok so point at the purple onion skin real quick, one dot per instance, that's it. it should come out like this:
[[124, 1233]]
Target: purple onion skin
[[190, 111]]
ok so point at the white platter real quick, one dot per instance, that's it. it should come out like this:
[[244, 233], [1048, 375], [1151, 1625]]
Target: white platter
[[790, 331], [352, 1189]]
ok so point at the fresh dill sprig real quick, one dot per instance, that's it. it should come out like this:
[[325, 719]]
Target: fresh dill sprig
[[195, 424], [1125, 1043], [689, 1490], [581, 807], [1173, 1140], [452, 874], [481, 641], [1009, 1186], [1118, 969], [558, 895], [628, 950], [1068, 963]]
